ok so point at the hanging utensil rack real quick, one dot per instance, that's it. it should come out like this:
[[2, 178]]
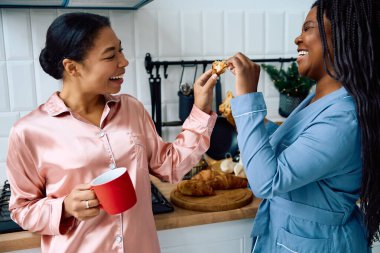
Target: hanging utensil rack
[[155, 84]]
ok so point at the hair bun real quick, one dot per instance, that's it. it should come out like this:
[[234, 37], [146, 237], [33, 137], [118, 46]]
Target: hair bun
[[50, 65]]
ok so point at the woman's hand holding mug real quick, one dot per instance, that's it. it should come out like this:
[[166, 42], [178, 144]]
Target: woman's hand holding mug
[[81, 203]]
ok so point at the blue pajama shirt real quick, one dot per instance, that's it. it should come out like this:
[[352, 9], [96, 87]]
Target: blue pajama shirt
[[308, 173]]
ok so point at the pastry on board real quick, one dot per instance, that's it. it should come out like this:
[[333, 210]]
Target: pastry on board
[[195, 188], [206, 181]]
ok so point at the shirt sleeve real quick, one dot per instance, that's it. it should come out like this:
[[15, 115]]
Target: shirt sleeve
[[171, 161], [317, 153], [29, 206], [271, 127]]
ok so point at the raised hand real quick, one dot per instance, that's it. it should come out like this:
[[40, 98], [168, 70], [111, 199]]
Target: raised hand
[[246, 72], [203, 91]]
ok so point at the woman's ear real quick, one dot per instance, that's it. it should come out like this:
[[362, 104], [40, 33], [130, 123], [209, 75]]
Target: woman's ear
[[70, 67]]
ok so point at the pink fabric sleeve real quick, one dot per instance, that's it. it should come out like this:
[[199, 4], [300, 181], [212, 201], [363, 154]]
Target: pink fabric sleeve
[[171, 161], [29, 206]]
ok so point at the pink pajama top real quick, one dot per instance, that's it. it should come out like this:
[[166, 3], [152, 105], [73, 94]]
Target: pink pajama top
[[52, 149]]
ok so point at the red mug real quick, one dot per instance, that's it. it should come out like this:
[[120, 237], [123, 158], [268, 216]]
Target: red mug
[[114, 190]]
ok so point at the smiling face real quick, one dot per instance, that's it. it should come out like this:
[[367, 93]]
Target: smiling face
[[102, 70], [309, 47]]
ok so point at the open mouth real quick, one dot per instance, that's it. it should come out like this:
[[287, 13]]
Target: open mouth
[[302, 53], [113, 78]]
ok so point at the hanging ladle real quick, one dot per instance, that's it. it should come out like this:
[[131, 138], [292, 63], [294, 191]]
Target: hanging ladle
[[184, 87]]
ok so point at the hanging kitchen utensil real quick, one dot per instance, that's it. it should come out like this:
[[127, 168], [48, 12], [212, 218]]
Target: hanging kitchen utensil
[[184, 87], [186, 98]]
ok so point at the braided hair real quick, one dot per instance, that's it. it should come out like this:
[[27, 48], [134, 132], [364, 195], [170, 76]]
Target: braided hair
[[356, 56]]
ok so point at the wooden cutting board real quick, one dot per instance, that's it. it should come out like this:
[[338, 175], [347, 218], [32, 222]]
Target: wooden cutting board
[[222, 200]]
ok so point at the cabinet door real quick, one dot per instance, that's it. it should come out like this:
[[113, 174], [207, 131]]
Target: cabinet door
[[223, 237]]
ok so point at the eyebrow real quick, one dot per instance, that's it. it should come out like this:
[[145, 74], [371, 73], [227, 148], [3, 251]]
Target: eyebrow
[[108, 49], [308, 22]]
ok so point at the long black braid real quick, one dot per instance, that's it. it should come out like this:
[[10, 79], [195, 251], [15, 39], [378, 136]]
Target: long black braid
[[355, 26]]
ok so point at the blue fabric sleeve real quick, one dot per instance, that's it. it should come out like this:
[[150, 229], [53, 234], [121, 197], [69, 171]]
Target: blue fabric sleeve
[[271, 127], [318, 152]]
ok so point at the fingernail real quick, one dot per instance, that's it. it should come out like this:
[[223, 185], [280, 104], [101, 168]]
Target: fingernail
[[215, 76]]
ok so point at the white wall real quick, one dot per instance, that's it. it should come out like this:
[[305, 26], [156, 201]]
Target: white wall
[[168, 30]]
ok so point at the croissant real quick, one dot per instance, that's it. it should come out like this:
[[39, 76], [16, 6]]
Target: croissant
[[225, 108], [195, 188], [221, 181]]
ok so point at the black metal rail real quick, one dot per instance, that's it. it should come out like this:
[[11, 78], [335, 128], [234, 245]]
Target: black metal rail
[[155, 84]]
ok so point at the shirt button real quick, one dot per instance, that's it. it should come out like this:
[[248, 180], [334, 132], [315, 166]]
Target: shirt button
[[112, 166], [118, 239], [101, 134]]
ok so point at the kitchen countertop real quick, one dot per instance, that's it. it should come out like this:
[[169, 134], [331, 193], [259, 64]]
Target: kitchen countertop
[[177, 219]]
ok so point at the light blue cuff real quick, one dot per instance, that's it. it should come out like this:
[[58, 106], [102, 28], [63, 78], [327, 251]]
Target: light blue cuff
[[248, 103]]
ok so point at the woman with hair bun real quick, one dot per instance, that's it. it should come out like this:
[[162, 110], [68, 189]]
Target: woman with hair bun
[[83, 131], [324, 158]]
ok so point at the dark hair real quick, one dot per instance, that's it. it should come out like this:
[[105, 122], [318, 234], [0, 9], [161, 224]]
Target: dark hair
[[355, 28], [70, 36]]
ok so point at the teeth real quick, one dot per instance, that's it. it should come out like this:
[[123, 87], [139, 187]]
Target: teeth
[[302, 53], [116, 77]]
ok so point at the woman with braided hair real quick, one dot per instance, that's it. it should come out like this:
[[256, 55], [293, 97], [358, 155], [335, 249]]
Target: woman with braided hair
[[314, 168]]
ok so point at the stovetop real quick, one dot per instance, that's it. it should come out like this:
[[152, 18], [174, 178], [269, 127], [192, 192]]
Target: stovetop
[[159, 205]]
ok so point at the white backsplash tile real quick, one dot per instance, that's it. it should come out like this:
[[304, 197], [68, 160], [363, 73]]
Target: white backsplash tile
[[22, 88], [45, 84], [3, 175], [142, 82], [234, 32], [7, 120], [254, 32], [129, 85], [191, 33], [213, 33], [2, 50], [172, 112], [293, 24], [170, 85], [146, 33], [274, 33], [3, 149], [17, 34], [24, 113], [123, 24], [4, 91], [40, 21], [169, 34]]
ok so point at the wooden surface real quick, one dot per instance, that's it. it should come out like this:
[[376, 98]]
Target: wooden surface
[[177, 219], [18, 241], [223, 200]]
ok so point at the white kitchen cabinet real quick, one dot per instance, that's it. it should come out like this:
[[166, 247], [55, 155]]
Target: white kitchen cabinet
[[223, 237]]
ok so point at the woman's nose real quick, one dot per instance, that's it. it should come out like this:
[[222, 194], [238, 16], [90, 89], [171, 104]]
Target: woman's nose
[[123, 62], [297, 40]]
